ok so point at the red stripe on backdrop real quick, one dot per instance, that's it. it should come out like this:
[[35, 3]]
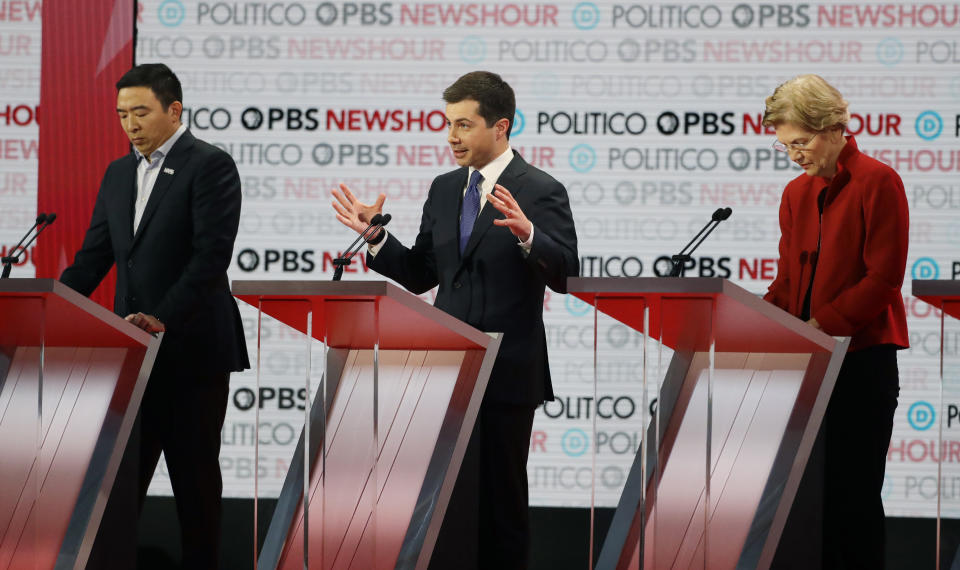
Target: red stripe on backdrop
[[87, 46]]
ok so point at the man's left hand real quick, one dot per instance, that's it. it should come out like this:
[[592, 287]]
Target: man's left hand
[[514, 219], [148, 323]]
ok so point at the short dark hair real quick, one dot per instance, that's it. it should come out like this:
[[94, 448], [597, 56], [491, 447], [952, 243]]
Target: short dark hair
[[159, 78], [494, 95]]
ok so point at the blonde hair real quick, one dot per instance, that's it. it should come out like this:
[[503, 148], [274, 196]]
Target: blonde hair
[[807, 101]]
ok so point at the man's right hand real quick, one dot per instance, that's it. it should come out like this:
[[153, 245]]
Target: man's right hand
[[149, 323], [352, 212]]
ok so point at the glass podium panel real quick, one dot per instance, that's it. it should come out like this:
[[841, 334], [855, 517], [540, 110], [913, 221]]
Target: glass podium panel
[[345, 493], [72, 375], [677, 532], [284, 367], [21, 418], [625, 391], [735, 391], [948, 434], [392, 389], [923, 464], [663, 489]]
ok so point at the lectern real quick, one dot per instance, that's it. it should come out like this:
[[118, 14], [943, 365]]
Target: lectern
[[72, 375], [736, 415], [385, 429], [945, 296]]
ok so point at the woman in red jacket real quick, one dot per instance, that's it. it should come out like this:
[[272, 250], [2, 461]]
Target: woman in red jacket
[[843, 252]]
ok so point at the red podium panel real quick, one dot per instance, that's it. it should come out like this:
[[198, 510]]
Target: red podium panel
[[387, 428], [71, 378], [743, 322], [735, 419]]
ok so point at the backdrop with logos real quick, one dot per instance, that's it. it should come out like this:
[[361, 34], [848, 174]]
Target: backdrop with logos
[[648, 113]]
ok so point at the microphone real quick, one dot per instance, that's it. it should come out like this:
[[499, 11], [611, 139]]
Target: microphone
[[683, 257], [42, 221], [377, 222]]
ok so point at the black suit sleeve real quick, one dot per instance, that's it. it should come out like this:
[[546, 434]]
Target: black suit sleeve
[[215, 216], [553, 253], [95, 257], [415, 268]]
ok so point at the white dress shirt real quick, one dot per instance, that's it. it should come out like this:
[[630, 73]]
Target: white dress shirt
[[147, 171], [491, 173]]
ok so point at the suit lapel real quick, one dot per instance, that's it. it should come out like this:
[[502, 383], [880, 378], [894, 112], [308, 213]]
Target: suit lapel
[[128, 196], [509, 179], [449, 218], [172, 165]]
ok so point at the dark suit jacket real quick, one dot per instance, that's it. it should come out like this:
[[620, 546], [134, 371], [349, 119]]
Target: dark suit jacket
[[494, 286], [175, 267]]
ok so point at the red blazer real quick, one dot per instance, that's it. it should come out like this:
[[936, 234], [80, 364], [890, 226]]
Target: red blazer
[[863, 252]]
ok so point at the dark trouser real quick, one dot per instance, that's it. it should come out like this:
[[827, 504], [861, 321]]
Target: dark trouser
[[840, 489], [487, 521], [182, 416]]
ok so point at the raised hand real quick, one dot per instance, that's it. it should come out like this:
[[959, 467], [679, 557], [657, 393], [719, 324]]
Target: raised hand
[[515, 220], [352, 212]]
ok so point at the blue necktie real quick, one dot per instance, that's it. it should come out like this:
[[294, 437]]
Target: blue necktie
[[470, 208]]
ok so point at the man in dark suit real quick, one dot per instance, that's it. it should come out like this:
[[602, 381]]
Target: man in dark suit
[[167, 215], [491, 270]]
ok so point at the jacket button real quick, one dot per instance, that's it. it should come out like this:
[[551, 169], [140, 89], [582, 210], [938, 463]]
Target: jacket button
[[130, 263], [456, 284]]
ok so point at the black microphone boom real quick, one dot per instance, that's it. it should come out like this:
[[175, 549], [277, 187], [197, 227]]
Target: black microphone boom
[[679, 260], [43, 220], [377, 222]]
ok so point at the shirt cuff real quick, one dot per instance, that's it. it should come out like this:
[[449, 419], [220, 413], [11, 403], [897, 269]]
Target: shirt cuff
[[527, 245], [372, 249]]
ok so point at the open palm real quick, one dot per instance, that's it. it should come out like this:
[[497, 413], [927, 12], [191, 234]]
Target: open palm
[[352, 212]]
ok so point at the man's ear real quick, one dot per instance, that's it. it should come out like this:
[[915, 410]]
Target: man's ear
[[502, 125], [177, 109]]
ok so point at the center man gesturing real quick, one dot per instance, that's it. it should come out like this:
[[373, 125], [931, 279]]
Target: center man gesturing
[[494, 233]]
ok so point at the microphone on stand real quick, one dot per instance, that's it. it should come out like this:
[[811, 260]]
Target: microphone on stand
[[377, 222], [43, 221], [683, 257]]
